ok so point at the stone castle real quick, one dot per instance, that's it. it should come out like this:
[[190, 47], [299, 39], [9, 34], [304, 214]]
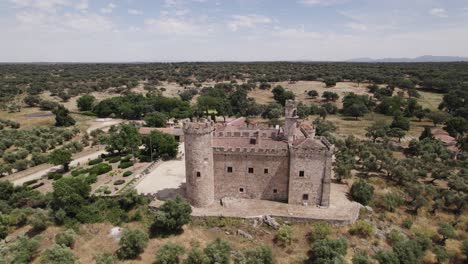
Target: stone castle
[[286, 164]]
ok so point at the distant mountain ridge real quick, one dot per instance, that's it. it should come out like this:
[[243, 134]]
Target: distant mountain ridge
[[426, 58]]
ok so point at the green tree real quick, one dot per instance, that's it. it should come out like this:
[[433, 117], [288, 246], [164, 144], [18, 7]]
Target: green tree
[[313, 93], [62, 117], [362, 192], [438, 117], [70, 195], [329, 251], [169, 253], [195, 256], [156, 119], [258, 255], [61, 157], [399, 121], [32, 100], [217, 252], [124, 138], [330, 96], [158, 144], [426, 133], [281, 95], [377, 130], [58, 254], [86, 102], [66, 238], [456, 127], [39, 220], [105, 258], [172, 216], [132, 243]]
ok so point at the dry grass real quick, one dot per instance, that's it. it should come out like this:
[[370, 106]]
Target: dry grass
[[28, 122], [430, 100], [301, 88]]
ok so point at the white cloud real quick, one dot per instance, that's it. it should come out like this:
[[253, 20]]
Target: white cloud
[[135, 12], [176, 26], [295, 33], [108, 9], [43, 5], [438, 12], [247, 21], [322, 2], [356, 26], [82, 5]]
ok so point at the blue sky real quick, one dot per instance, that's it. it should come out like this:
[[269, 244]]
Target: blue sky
[[214, 30]]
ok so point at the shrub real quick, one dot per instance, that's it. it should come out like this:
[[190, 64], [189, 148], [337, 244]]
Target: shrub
[[284, 235], [125, 164], [119, 182], [195, 256], [361, 228], [22, 250], [39, 220], [408, 251], [329, 251], [127, 173], [390, 201], [362, 192], [114, 159], [54, 176], [172, 216], [257, 255], [66, 238], [58, 254], [395, 237], [218, 252], [100, 169], [407, 223], [132, 243], [169, 253], [361, 258], [95, 161], [105, 258], [386, 257], [321, 230]]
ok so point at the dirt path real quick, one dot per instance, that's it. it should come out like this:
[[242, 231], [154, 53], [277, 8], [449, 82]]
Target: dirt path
[[37, 174], [102, 123]]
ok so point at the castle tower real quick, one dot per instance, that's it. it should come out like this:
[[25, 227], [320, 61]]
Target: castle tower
[[199, 164], [290, 123]]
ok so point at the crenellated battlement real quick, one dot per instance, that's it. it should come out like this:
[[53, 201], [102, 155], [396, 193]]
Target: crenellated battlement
[[251, 151], [203, 126]]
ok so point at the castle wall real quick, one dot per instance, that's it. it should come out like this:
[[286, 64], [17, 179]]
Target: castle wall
[[199, 163], [310, 184], [272, 185]]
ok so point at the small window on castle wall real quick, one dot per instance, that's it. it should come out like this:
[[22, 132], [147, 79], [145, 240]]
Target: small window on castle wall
[[229, 169], [253, 141], [198, 174], [305, 197], [265, 171], [275, 190], [241, 190], [301, 173], [251, 170]]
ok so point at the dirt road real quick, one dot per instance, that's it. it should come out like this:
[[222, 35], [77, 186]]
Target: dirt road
[[75, 162]]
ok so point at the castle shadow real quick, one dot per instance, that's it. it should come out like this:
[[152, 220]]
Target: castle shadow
[[171, 193]]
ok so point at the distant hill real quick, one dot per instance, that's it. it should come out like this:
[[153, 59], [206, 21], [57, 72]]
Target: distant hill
[[426, 58]]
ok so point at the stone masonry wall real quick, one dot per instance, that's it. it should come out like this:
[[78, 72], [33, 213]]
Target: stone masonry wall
[[272, 185], [199, 163], [313, 165]]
